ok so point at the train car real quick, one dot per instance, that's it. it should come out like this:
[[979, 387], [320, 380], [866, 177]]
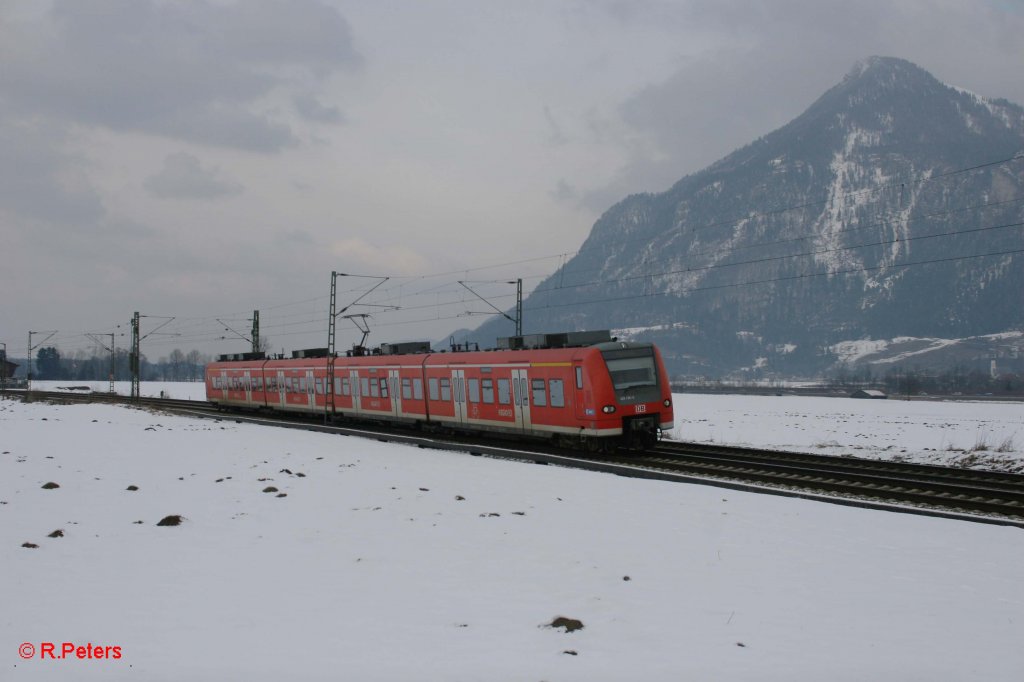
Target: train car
[[579, 389]]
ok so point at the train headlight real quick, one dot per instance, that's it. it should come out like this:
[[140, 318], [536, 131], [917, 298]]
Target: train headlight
[[667, 403], [608, 409]]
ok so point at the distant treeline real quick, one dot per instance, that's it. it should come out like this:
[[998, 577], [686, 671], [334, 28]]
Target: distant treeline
[[51, 364], [912, 381]]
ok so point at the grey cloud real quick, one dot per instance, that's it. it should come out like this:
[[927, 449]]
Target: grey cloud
[[184, 177], [305, 32], [556, 136], [564, 191], [313, 110], [192, 71], [38, 180], [772, 61], [223, 125]]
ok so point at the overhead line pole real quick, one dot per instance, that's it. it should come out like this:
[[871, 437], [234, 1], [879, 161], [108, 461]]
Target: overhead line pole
[[255, 331], [135, 358], [332, 329], [111, 349], [518, 319], [28, 370]]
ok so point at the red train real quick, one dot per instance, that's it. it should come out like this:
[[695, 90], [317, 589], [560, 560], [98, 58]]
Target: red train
[[581, 389]]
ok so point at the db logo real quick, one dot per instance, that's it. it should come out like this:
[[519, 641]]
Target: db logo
[[641, 408]]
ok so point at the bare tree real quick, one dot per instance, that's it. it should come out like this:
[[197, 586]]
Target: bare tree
[[177, 364]]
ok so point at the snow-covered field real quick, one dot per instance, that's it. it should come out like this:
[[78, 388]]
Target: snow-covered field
[[179, 390], [987, 435], [374, 561]]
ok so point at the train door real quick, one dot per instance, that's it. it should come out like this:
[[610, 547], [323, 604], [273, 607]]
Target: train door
[[247, 381], [396, 396], [310, 390], [224, 384], [580, 401], [459, 394], [282, 398], [353, 379], [521, 399]]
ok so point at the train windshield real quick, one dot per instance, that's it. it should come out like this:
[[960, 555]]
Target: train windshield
[[631, 367]]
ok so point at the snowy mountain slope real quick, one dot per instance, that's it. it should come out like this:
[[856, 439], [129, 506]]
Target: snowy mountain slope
[[874, 214]]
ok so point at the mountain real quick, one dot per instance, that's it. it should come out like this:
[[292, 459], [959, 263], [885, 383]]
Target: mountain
[[890, 208]]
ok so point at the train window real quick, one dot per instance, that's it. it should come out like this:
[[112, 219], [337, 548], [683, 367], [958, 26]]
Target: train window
[[257, 384], [488, 391], [302, 384], [631, 367], [406, 388], [540, 397], [474, 390], [345, 389], [364, 386], [417, 389], [446, 389], [557, 389], [432, 386], [319, 386], [383, 388], [579, 377], [374, 389], [504, 392]]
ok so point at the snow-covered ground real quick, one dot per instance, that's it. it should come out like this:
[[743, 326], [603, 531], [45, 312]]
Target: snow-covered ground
[[988, 435], [383, 562], [179, 390]]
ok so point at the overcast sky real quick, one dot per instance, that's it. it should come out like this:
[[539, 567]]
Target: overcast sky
[[204, 159]]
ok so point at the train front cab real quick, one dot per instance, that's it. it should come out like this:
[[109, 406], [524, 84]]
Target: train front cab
[[636, 396]]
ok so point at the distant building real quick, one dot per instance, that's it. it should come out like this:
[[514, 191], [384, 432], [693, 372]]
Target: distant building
[[7, 369], [869, 393]]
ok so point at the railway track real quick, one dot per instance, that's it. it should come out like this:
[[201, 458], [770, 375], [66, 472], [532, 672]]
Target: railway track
[[960, 490], [986, 496]]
